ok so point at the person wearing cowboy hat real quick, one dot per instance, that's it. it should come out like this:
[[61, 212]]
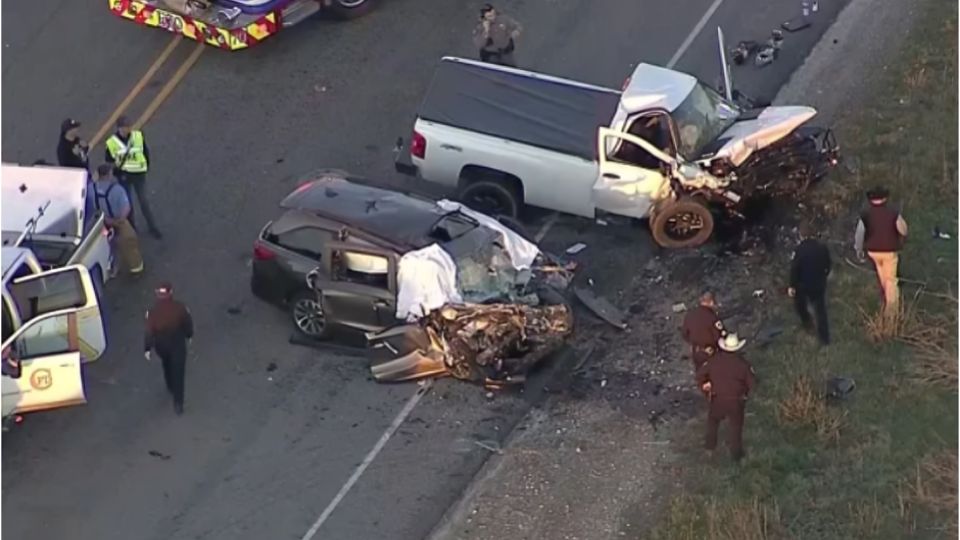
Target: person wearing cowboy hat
[[169, 330], [729, 379], [702, 328], [881, 232]]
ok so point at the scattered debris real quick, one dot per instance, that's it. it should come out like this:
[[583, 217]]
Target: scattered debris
[[679, 307], [601, 307], [576, 248], [234, 310], [489, 445], [758, 293], [272, 366], [771, 50], [743, 51], [937, 233], [840, 388], [160, 455], [796, 24]]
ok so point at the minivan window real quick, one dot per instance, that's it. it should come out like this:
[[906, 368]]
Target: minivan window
[[306, 241], [40, 295], [7, 321]]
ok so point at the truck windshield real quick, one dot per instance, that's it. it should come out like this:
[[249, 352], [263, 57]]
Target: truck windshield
[[701, 118]]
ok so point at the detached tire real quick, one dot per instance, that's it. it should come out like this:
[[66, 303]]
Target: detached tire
[[351, 9], [491, 197], [685, 223]]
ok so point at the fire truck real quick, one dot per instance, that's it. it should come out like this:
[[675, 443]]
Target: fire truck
[[232, 24]]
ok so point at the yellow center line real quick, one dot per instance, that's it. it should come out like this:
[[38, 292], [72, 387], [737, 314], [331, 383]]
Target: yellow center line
[[109, 124], [171, 84]]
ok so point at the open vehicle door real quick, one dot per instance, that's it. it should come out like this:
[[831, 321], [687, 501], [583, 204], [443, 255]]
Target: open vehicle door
[[356, 296], [44, 382], [60, 314], [625, 188]]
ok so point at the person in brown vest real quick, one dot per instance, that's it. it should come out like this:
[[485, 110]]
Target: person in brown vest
[[881, 232], [169, 331], [702, 328], [729, 380]]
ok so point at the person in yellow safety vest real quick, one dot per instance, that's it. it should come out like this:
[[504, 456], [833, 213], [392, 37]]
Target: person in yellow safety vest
[[128, 152]]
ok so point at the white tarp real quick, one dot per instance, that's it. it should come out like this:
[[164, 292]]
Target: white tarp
[[522, 253], [426, 280]]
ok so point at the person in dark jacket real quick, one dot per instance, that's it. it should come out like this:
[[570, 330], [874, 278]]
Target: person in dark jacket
[[808, 281], [71, 149], [729, 380], [881, 232], [169, 331], [702, 328]]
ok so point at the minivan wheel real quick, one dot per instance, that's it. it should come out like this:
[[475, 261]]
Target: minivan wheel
[[491, 197], [307, 315], [351, 9], [685, 223]]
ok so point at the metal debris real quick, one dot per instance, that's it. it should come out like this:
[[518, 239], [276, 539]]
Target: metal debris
[[840, 387], [601, 307], [576, 248], [679, 307]]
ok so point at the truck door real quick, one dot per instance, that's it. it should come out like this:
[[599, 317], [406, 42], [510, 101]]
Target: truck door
[[44, 382], [631, 173], [362, 300], [59, 313]]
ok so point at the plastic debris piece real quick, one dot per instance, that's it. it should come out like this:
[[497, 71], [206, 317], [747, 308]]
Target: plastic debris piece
[[679, 307], [576, 248]]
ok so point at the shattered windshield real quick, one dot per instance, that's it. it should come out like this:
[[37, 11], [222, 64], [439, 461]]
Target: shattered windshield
[[701, 118], [485, 271]]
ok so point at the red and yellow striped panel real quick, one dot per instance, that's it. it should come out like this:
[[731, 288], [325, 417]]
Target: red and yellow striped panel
[[188, 27]]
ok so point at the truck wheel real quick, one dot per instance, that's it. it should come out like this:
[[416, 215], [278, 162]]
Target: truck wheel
[[491, 197], [682, 224], [351, 9]]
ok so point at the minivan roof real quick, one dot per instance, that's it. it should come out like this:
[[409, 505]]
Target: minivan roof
[[26, 189], [396, 217]]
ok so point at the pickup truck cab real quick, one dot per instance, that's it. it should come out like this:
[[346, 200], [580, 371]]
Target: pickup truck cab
[[51, 325], [667, 148], [45, 211]]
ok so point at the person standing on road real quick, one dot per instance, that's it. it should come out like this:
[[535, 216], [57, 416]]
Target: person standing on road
[[111, 199], [72, 151], [729, 380], [808, 281], [702, 328], [881, 232], [169, 331], [128, 152], [495, 36]]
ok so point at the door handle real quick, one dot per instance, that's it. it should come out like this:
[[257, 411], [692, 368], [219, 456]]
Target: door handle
[[380, 304], [451, 147], [611, 176]]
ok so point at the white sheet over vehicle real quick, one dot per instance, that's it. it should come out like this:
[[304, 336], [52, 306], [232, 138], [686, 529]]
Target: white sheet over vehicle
[[26, 189]]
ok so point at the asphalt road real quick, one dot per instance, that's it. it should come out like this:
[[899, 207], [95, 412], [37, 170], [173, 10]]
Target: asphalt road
[[261, 454]]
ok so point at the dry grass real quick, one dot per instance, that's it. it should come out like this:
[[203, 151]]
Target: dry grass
[[690, 519], [866, 518], [906, 323], [935, 365], [806, 407], [933, 491]]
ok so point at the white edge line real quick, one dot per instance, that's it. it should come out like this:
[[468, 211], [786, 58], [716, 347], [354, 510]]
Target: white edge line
[[545, 228], [693, 34], [411, 403]]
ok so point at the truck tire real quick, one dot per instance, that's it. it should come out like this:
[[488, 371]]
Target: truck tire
[[685, 223], [491, 197], [351, 9]]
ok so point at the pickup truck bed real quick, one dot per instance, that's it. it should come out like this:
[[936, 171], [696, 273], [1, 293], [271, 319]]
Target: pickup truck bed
[[538, 110]]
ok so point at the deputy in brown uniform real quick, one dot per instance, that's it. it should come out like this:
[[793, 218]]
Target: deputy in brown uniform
[[169, 330], [729, 379], [702, 329]]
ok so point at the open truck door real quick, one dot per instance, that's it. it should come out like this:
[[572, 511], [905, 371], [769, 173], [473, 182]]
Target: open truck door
[[624, 187], [63, 327], [60, 313]]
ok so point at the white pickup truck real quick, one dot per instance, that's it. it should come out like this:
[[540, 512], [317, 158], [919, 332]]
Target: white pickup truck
[[51, 324], [45, 211], [667, 148]]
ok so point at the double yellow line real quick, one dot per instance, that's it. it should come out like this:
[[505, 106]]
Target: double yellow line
[[161, 96]]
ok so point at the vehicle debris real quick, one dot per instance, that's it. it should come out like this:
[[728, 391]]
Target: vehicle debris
[[937, 233], [160, 455], [576, 248], [493, 344], [771, 50], [796, 24], [601, 307], [839, 388], [758, 293], [679, 307]]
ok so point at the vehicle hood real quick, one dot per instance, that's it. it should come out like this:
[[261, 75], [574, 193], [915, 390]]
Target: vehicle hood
[[752, 133]]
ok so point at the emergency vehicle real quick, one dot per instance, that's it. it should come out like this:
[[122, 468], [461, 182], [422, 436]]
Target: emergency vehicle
[[231, 24]]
